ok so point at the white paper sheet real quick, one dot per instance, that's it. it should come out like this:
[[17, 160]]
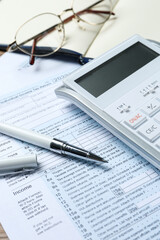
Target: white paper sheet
[[68, 198]]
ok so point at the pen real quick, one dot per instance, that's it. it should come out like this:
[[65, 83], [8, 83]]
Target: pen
[[47, 142], [62, 54], [16, 165]]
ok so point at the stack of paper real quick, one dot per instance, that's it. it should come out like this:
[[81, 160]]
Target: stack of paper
[[69, 198]]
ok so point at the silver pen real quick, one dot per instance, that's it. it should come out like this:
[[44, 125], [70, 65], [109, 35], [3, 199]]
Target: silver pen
[[47, 142]]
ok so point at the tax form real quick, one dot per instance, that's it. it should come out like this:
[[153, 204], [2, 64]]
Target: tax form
[[68, 198]]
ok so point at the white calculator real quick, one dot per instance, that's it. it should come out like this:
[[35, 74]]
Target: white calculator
[[121, 90]]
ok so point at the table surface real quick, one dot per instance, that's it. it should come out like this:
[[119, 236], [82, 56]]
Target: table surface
[[3, 235]]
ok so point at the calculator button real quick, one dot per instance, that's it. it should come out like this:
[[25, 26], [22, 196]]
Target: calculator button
[[135, 120], [150, 131], [151, 107]]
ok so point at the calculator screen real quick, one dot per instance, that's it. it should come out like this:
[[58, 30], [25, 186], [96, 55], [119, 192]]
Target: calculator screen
[[116, 69]]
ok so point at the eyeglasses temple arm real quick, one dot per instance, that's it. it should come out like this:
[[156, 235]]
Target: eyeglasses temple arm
[[89, 11], [32, 57]]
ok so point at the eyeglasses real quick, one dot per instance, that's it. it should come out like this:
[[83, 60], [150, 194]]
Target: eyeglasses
[[44, 34]]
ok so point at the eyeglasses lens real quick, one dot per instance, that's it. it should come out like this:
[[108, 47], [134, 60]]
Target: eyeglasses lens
[[46, 29]]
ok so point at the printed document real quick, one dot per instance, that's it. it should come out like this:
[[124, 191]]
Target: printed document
[[68, 198]]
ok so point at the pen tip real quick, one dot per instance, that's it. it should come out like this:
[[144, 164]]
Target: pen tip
[[96, 158]]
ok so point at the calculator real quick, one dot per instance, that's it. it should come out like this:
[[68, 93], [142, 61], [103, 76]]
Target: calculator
[[121, 90]]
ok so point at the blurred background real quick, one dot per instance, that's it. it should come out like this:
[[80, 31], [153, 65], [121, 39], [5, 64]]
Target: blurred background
[[132, 17]]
